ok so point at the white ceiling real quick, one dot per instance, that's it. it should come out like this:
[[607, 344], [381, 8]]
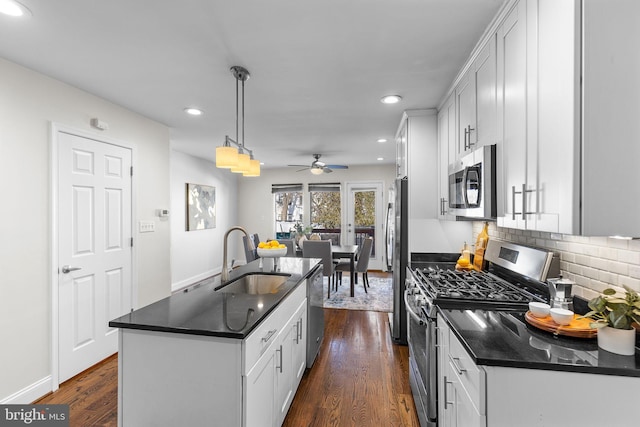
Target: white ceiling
[[318, 68]]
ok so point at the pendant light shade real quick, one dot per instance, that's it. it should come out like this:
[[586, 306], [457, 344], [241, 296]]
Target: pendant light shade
[[226, 157], [254, 168], [244, 161]]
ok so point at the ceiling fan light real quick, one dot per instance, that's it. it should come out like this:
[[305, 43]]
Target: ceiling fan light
[[316, 171], [254, 168], [226, 157], [244, 162]]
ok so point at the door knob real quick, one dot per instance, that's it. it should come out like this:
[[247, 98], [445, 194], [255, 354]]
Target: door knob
[[68, 269]]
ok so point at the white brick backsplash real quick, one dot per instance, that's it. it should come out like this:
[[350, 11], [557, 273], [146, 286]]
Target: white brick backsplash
[[591, 273], [607, 277], [594, 251], [630, 257], [608, 253], [584, 260], [594, 263]]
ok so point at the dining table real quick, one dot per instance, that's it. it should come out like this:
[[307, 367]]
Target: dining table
[[347, 251]]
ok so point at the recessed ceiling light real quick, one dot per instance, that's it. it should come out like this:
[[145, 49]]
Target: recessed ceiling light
[[391, 99], [193, 111], [13, 8], [381, 140], [380, 159]]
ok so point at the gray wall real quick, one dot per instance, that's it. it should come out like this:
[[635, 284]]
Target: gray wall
[[196, 255]]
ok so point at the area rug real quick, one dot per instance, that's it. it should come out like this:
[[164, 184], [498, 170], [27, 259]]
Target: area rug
[[379, 296]]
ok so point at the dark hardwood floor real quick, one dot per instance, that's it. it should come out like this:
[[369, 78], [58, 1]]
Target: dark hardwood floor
[[92, 395], [360, 378]]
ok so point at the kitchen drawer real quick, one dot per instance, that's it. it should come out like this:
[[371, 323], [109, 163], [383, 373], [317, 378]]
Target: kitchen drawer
[[471, 377], [266, 333]]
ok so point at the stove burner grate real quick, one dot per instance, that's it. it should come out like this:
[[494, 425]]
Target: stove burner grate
[[470, 285]]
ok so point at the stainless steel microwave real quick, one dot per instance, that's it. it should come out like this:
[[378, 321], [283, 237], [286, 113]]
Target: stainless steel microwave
[[472, 184]]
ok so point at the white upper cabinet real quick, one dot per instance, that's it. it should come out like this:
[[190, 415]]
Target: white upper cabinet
[[446, 153], [514, 190], [562, 112], [476, 101], [610, 112]]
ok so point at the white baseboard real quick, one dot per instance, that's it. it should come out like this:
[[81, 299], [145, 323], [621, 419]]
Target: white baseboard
[[30, 393], [178, 286]]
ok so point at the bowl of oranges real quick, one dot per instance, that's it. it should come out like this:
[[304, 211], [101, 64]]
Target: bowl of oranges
[[271, 249]]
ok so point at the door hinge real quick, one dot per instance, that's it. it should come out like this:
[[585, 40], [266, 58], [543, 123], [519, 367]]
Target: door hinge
[[131, 170], [132, 242]]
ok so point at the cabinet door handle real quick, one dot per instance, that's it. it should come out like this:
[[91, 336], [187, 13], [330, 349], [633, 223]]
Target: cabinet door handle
[[466, 137], [524, 211], [471, 143], [269, 335], [446, 399], [300, 329], [454, 362], [280, 351], [442, 201]]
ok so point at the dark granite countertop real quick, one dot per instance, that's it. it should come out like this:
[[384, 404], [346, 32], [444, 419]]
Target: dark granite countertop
[[502, 338], [201, 310]]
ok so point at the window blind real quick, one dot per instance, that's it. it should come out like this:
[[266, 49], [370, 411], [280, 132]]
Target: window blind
[[329, 186], [285, 188]]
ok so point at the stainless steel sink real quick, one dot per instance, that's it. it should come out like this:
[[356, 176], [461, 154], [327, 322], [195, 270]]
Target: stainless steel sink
[[255, 284]]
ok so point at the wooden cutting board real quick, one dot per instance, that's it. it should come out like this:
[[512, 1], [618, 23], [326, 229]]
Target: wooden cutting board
[[578, 328]]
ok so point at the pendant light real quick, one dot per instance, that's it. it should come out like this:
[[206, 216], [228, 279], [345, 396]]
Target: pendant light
[[238, 160]]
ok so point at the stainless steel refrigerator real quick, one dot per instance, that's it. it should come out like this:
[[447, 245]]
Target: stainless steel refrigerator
[[397, 254]]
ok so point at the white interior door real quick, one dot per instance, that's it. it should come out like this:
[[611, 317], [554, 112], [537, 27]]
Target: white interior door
[[94, 249], [365, 217]]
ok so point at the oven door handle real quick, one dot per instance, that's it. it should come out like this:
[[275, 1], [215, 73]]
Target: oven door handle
[[411, 312]]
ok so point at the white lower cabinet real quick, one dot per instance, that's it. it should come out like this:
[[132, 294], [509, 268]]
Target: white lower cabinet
[[172, 379], [290, 362], [461, 384], [470, 395], [271, 383], [260, 382]]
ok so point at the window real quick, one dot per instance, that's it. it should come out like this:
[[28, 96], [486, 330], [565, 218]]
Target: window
[[326, 213], [288, 207]]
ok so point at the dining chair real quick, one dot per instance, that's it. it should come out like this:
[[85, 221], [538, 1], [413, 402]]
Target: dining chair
[[362, 264], [321, 249], [291, 246], [250, 251]]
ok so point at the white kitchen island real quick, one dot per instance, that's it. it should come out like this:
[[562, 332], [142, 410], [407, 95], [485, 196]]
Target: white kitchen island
[[215, 358]]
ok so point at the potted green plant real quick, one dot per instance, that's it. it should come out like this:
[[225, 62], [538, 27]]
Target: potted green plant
[[614, 317]]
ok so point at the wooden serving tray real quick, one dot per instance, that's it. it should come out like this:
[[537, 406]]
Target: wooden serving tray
[[578, 328]]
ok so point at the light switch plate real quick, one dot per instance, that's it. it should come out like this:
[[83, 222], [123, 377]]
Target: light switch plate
[[146, 226]]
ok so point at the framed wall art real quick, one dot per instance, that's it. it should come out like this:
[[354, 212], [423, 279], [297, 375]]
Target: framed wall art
[[201, 207]]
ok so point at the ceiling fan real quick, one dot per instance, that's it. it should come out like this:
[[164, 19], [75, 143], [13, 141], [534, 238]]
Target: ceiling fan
[[317, 167]]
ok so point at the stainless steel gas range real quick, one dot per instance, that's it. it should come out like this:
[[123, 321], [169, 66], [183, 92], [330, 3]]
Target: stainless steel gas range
[[515, 276]]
